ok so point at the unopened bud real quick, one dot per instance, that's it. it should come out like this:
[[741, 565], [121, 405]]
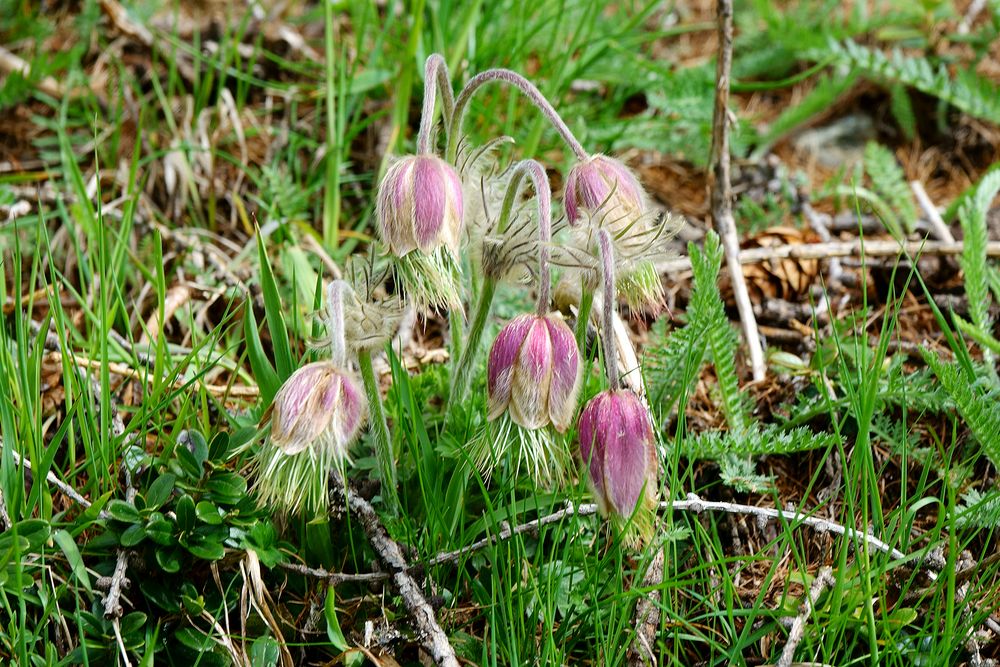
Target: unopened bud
[[534, 372], [603, 186], [617, 444], [419, 205]]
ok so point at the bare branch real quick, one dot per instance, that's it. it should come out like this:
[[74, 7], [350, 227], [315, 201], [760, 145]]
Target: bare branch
[[722, 190]]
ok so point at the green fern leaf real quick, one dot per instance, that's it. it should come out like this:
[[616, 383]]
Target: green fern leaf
[[977, 403], [889, 182], [967, 92], [756, 440], [709, 312], [980, 510]]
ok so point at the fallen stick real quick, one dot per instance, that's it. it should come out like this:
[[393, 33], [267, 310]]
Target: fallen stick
[[435, 640], [824, 578], [877, 248], [722, 190], [11, 62]]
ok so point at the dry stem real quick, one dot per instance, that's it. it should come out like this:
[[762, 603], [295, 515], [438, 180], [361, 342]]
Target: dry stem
[[722, 189]]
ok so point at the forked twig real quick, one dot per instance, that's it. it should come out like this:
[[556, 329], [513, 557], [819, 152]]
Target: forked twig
[[722, 189], [391, 555], [824, 578]]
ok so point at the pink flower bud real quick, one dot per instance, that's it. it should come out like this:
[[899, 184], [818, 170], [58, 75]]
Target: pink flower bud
[[616, 441], [534, 372], [603, 185], [419, 205], [320, 407]]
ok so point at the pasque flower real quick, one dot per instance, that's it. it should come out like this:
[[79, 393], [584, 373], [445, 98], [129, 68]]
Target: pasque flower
[[315, 418], [321, 407], [616, 442], [534, 372], [419, 205], [600, 185]]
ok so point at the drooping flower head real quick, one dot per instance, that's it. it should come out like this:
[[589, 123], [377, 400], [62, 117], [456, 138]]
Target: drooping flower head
[[419, 206], [320, 407], [420, 213], [314, 419], [617, 445], [605, 186], [534, 372]]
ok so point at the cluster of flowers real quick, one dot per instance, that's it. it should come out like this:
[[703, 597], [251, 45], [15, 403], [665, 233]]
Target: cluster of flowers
[[431, 208]]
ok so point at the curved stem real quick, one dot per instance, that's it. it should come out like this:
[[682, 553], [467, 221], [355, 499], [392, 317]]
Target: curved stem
[[380, 429], [608, 319], [463, 368], [335, 321], [530, 91], [583, 317], [436, 78]]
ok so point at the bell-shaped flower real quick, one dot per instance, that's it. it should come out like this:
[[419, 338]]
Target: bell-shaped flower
[[534, 372], [419, 205], [319, 406], [617, 445], [315, 417], [605, 187]]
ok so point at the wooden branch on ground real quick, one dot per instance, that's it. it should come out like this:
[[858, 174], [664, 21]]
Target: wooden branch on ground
[[722, 189], [824, 578], [647, 614], [877, 248], [435, 640]]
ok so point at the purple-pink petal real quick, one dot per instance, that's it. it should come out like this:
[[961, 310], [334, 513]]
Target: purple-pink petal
[[352, 407], [566, 372], [500, 365], [569, 195], [430, 199]]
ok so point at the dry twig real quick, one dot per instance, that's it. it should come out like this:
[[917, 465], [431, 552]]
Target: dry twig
[[879, 248], [824, 578], [722, 189], [391, 555]]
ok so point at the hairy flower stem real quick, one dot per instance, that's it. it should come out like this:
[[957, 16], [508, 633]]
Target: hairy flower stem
[[543, 197], [526, 87], [608, 305], [436, 78], [335, 322], [380, 429], [463, 369], [583, 318]]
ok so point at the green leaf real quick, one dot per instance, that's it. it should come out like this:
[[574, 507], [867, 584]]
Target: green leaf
[[219, 446], [160, 530], [283, 361], [159, 491], [263, 371], [133, 535], [206, 550], [889, 183], [195, 640], [185, 513], [208, 513], [227, 487], [333, 631], [168, 560], [264, 652], [123, 511], [73, 557]]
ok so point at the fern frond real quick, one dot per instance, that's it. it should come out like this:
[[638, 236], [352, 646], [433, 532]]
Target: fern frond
[[980, 510], [889, 182], [673, 367], [740, 474], [977, 403], [709, 312], [819, 100], [972, 215], [967, 92], [756, 440], [987, 341], [902, 110]]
